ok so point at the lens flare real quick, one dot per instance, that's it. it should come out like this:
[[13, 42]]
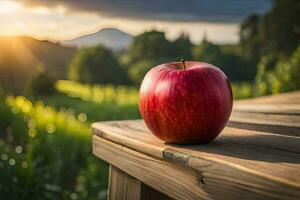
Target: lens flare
[[8, 7]]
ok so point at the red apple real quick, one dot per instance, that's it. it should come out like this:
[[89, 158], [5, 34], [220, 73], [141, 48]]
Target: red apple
[[185, 102]]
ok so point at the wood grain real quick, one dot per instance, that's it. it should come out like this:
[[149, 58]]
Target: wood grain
[[290, 109], [201, 178], [257, 155], [123, 186], [156, 173], [258, 152], [272, 123], [278, 114], [283, 98]]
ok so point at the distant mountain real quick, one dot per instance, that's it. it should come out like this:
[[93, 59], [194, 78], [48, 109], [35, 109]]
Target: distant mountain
[[109, 37], [20, 57]]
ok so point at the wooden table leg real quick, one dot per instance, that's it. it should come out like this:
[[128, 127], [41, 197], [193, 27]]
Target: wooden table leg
[[122, 186]]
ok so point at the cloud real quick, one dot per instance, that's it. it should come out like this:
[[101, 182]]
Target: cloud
[[166, 10]]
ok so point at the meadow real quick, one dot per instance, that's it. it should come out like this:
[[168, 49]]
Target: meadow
[[46, 145], [46, 153], [46, 142]]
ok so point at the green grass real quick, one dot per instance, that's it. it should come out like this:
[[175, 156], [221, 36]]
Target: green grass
[[120, 95], [45, 144], [94, 111], [46, 153], [242, 90], [98, 102], [53, 132]]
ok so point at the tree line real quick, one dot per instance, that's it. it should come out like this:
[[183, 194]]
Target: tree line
[[265, 55]]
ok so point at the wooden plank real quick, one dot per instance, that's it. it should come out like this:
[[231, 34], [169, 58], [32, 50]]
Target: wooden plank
[[249, 150], [288, 109], [123, 186], [272, 123], [286, 103], [130, 133], [257, 156], [208, 179], [283, 98], [126, 187], [156, 173]]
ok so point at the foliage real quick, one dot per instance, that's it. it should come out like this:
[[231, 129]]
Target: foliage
[[208, 52], [99, 102], [19, 57], [139, 69], [182, 48], [270, 38], [42, 84], [265, 66], [99, 93], [287, 73], [277, 32], [96, 65], [152, 48], [95, 111], [249, 37], [242, 90], [46, 150], [280, 29], [151, 45], [46, 154], [280, 76], [227, 58]]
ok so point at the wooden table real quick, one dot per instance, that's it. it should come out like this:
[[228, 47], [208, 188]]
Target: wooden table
[[257, 156]]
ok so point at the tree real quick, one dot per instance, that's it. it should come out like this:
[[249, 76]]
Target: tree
[[96, 65], [42, 84], [182, 48], [151, 45], [281, 27], [287, 74], [227, 58], [139, 70], [208, 52], [152, 48], [281, 78], [249, 37], [264, 74]]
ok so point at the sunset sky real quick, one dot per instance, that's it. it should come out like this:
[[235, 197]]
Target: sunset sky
[[61, 20]]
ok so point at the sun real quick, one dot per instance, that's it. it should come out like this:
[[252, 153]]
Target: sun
[[9, 7]]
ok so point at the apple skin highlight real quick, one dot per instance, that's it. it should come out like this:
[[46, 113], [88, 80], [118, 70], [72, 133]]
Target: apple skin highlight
[[185, 102]]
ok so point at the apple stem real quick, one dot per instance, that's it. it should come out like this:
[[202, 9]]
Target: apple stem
[[183, 64]]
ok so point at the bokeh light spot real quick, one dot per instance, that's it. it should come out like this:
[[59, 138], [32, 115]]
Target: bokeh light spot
[[51, 128], [19, 149], [82, 117], [31, 123], [32, 132], [24, 164], [12, 162], [4, 156]]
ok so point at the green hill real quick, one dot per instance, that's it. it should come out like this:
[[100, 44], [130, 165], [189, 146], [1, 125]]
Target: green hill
[[21, 57]]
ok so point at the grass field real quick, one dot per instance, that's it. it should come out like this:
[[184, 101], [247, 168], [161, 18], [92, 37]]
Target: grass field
[[242, 90], [94, 111], [46, 153], [46, 143]]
